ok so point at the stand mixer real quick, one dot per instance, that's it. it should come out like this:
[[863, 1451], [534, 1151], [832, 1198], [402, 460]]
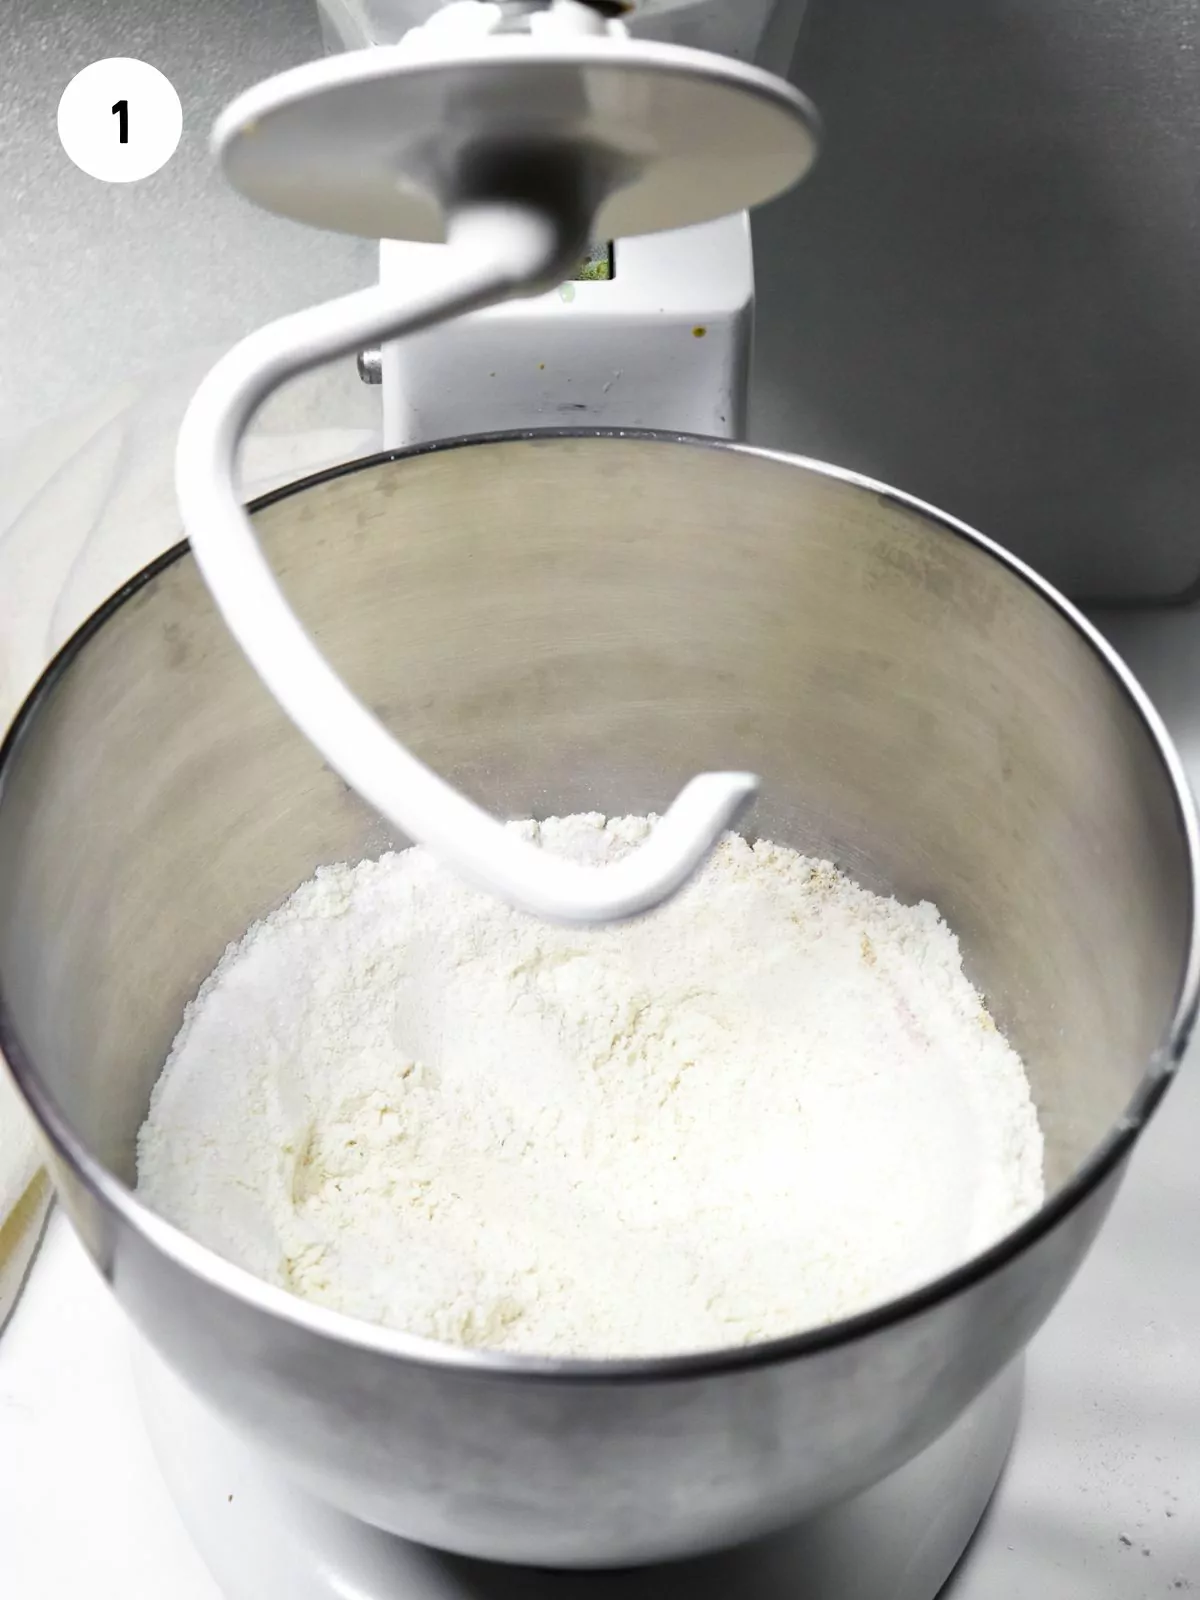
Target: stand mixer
[[616, 350], [654, 330]]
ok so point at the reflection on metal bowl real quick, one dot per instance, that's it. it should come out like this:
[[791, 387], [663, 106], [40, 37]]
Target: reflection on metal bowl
[[571, 622]]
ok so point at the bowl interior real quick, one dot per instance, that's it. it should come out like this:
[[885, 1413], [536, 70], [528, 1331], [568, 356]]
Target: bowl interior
[[581, 623]]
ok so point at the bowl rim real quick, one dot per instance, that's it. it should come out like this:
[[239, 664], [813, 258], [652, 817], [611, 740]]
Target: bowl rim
[[369, 1338]]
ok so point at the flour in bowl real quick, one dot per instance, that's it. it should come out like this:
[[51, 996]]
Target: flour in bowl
[[774, 1103]]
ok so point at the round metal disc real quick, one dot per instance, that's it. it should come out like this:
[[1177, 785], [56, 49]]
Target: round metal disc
[[371, 142]]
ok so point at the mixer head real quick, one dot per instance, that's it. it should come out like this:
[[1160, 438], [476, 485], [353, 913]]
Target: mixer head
[[385, 143]]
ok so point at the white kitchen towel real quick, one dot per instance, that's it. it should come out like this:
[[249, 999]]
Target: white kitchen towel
[[86, 502], [24, 1196]]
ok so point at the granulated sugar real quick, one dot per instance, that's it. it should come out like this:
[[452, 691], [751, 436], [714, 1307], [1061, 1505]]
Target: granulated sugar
[[774, 1103]]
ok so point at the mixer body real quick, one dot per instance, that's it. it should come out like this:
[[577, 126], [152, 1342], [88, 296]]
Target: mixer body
[[574, 622], [617, 353]]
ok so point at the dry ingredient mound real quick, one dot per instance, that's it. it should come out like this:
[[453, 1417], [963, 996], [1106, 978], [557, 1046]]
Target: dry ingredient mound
[[774, 1103]]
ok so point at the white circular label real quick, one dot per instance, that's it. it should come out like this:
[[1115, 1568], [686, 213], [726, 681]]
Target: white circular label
[[119, 120]]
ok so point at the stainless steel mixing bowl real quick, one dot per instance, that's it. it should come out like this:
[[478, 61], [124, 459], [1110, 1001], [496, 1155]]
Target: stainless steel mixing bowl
[[573, 622]]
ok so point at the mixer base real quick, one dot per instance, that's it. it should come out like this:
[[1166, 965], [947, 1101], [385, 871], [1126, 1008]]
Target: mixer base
[[264, 1539]]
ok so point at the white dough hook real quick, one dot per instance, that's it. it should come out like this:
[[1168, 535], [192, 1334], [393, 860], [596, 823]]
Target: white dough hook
[[516, 152]]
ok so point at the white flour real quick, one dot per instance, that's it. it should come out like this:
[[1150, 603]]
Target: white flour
[[774, 1103]]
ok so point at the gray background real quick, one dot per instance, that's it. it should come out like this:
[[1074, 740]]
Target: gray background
[[988, 294], [989, 291], [99, 282]]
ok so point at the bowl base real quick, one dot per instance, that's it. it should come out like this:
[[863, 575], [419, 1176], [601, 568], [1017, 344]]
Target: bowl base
[[264, 1539]]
